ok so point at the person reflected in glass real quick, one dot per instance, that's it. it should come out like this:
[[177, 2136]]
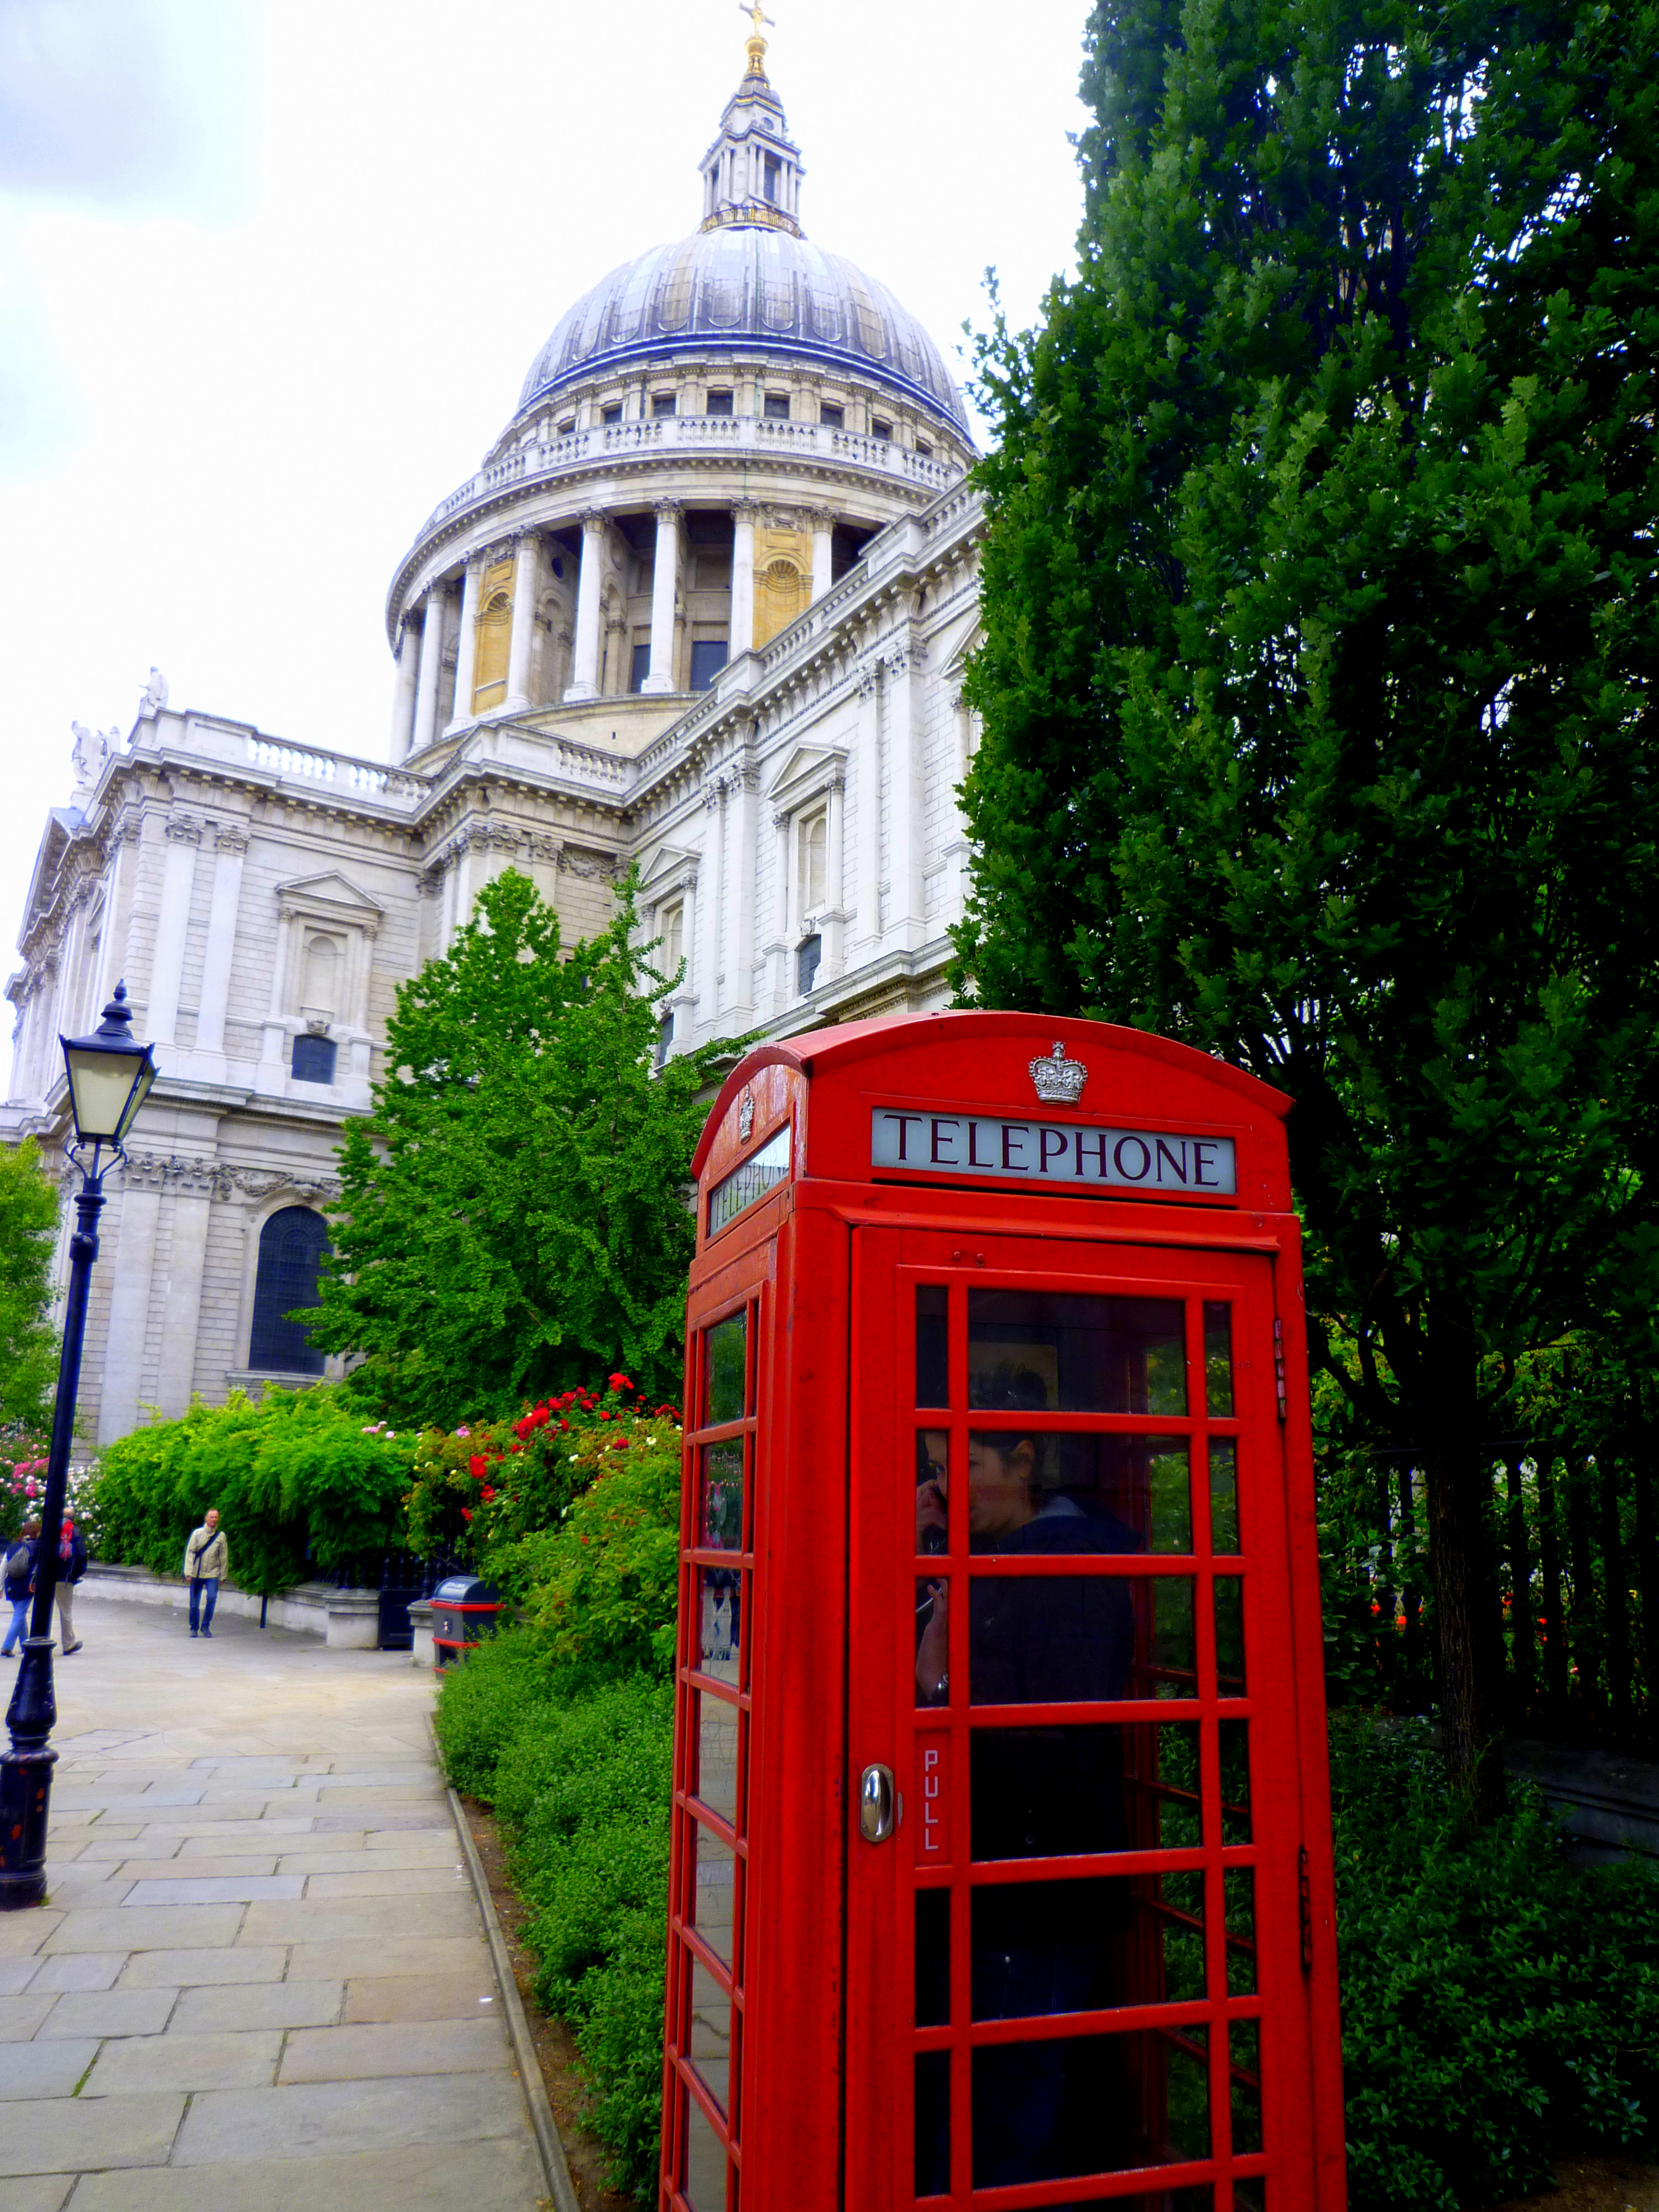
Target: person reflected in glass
[[1038, 1791]]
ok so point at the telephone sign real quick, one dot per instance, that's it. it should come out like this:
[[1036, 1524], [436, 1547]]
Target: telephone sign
[[1001, 1872]]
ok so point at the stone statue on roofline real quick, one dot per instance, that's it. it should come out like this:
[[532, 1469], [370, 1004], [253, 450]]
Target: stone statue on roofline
[[90, 750], [155, 695]]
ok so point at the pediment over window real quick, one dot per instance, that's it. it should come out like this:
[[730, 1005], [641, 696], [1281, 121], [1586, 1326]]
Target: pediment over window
[[808, 773], [332, 896], [669, 869]]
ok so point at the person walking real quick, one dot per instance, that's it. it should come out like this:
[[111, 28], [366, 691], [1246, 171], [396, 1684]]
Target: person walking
[[207, 1561], [71, 1566], [20, 1584]]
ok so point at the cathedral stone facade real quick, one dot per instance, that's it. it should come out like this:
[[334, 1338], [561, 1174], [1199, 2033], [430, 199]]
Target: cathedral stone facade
[[704, 609]]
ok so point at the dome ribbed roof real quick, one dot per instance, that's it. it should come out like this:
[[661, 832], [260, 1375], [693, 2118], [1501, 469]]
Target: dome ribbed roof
[[746, 287]]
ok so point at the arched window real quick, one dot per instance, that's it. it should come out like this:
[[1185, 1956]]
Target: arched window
[[291, 1248]]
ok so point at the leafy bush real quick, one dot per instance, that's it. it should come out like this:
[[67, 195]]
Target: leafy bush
[[302, 1483], [1499, 2009], [580, 1769], [566, 1723]]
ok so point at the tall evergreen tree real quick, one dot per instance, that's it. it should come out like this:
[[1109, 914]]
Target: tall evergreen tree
[[28, 1343], [513, 1216], [1322, 639]]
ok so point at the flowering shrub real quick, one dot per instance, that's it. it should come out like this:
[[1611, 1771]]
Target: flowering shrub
[[488, 1484], [23, 1480]]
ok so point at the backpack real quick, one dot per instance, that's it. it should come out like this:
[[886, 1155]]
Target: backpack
[[20, 1571]]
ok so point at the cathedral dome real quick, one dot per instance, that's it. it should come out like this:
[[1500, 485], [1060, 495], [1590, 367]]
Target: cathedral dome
[[741, 286]]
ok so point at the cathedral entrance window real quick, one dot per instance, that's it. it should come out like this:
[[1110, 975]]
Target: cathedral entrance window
[[809, 955], [638, 666], [313, 1059], [708, 659], [292, 1246], [494, 637]]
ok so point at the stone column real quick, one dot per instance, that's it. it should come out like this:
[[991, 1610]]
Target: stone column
[[585, 679], [432, 653], [740, 843], [166, 973], [525, 577], [230, 846], [823, 533], [466, 645], [129, 1310], [665, 592], [402, 692], [904, 915], [711, 885], [182, 1309], [835, 926], [867, 865], [742, 635]]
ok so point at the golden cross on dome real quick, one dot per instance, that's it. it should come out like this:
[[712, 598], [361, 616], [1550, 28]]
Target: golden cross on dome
[[755, 14]]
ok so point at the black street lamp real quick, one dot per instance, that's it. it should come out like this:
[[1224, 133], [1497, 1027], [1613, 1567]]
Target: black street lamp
[[110, 1075]]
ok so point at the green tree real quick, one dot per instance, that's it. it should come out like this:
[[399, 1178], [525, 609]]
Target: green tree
[[513, 1216], [1317, 690], [28, 1343]]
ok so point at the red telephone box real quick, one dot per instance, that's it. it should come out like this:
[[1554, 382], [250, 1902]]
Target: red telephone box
[[1001, 1866]]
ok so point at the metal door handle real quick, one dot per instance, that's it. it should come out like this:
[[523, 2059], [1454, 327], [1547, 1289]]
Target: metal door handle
[[877, 1804]]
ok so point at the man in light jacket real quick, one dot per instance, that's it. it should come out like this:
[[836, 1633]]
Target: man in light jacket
[[207, 1561]]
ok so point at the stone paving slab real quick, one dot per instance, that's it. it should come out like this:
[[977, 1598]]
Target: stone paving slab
[[499, 2174], [260, 1982]]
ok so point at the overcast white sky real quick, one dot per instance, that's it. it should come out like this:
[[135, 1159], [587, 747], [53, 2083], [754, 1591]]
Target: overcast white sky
[[271, 273]]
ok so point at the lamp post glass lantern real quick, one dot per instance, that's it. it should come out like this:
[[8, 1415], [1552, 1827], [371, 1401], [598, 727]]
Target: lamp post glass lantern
[[110, 1076]]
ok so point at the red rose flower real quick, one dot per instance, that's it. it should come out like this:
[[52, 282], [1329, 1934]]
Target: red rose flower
[[477, 1465]]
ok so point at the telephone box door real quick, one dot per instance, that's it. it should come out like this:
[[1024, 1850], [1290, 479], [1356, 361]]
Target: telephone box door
[[1075, 1936]]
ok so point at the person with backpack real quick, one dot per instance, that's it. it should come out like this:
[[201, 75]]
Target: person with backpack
[[20, 1585], [207, 1561], [71, 1566]]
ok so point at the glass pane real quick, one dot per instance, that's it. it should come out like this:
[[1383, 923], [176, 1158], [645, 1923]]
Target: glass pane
[[1173, 1912], [1223, 1494], [1244, 2068], [709, 2034], [712, 1889], [1219, 1361], [719, 1619], [1229, 1636], [1251, 2196], [1032, 1351], [1055, 1639], [722, 1496], [1049, 1947], [1164, 1808], [932, 1345], [1235, 1741], [932, 2123], [932, 1958], [1093, 2104], [717, 1755], [727, 1352], [933, 1642], [702, 2162], [1238, 1890], [1058, 1792], [1091, 1493], [932, 1480]]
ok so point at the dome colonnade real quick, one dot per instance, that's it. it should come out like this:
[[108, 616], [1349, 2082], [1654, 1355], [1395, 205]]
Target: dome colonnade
[[704, 447]]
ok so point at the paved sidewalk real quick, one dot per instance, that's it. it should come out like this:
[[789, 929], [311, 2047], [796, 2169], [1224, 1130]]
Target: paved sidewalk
[[259, 1983]]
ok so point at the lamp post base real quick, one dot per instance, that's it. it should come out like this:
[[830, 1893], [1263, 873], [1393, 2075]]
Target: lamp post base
[[26, 1778]]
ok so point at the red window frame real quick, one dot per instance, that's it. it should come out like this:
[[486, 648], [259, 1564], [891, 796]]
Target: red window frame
[[684, 2086], [886, 1725]]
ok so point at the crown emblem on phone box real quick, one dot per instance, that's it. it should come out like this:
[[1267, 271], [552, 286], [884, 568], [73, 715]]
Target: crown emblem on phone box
[[1059, 1081]]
